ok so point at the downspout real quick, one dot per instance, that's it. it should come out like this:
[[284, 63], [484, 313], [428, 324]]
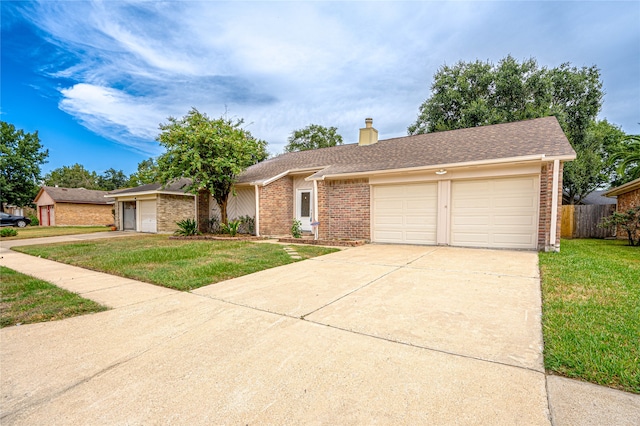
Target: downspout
[[554, 207], [257, 222], [315, 208]]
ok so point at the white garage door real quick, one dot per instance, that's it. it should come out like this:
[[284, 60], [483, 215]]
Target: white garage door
[[499, 213], [147, 210], [405, 213]]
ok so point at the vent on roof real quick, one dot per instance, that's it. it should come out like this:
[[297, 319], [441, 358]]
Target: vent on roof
[[368, 135]]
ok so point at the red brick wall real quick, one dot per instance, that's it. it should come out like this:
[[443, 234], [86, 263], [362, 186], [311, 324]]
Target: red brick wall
[[625, 202], [345, 209], [276, 207], [544, 222]]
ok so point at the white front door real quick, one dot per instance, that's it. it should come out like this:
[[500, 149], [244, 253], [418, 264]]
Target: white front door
[[304, 209]]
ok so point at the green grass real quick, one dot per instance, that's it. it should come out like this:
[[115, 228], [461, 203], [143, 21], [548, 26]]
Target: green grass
[[591, 312], [177, 264], [53, 231], [26, 300]]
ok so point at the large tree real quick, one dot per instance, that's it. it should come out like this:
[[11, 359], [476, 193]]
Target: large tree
[[313, 136], [478, 93], [75, 176], [112, 179], [211, 152], [147, 173], [21, 156]]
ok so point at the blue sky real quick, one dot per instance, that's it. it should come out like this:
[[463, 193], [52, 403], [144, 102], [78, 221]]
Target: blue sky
[[97, 78]]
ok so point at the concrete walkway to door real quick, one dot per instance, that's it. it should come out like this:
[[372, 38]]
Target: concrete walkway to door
[[375, 334]]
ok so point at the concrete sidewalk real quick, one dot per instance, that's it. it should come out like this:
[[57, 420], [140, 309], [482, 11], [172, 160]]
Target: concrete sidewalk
[[347, 338], [108, 290]]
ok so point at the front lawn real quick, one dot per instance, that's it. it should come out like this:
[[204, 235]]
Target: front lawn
[[26, 300], [53, 231], [177, 264], [591, 312]]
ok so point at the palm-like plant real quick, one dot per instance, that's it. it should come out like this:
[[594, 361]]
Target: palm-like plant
[[627, 158]]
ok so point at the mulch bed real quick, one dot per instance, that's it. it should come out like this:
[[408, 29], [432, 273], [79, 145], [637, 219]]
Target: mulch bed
[[217, 237]]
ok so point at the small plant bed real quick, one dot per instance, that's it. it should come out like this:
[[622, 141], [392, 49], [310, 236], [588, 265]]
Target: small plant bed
[[27, 300], [217, 237], [54, 231], [591, 313], [178, 264], [311, 241]]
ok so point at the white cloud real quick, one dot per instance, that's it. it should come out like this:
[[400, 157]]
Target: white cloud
[[283, 65]]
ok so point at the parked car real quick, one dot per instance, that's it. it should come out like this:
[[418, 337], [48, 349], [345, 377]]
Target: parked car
[[12, 220]]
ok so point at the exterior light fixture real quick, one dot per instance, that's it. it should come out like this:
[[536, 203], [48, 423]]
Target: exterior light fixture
[[441, 172]]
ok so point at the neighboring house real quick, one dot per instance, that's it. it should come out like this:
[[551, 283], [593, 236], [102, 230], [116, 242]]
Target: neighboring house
[[497, 186], [628, 196], [152, 207], [596, 198], [73, 206]]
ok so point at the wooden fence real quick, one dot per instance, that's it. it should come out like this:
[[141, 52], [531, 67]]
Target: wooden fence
[[582, 221]]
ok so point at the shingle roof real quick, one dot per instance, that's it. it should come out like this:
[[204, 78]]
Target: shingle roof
[[76, 195], [177, 187], [541, 136]]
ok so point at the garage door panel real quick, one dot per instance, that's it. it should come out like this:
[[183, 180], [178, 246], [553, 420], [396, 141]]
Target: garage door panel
[[147, 215], [405, 213], [506, 220], [501, 213]]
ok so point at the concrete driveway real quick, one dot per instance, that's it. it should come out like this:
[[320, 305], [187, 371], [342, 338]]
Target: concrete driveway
[[379, 334]]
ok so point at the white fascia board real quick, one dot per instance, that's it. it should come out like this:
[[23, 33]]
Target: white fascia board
[[143, 193], [522, 159], [285, 173]]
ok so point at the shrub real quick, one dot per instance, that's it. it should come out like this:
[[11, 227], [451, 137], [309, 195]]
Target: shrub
[[231, 228], [629, 221], [214, 225], [8, 232], [296, 228], [247, 225], [188, 227], [34, 220]]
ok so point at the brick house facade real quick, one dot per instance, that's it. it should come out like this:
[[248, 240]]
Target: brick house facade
[[344, 180], [57, 206]]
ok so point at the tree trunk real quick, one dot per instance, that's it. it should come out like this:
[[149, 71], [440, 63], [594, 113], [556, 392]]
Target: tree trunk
[[223, 210]]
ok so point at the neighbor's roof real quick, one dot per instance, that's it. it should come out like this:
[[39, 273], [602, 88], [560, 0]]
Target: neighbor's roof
[[623, 189], [176, 187], [75, 195], [541, 136]]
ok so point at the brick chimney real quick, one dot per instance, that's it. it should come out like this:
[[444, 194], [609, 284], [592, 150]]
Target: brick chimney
[[368, 135]]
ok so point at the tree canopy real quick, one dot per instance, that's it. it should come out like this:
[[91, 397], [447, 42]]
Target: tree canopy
[[75, 176], [21, 155], [313, 136], [211, 152], [625, 159], [147, 173], [470, 94]]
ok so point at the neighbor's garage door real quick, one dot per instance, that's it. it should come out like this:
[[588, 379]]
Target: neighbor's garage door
[[499, 213], [405, 213], [147, 210]]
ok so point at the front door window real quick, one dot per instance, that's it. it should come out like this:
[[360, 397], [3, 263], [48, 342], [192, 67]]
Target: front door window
[[305, 213]]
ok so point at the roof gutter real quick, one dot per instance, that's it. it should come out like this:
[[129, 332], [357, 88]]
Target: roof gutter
[[521, 159], [136, 194]]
